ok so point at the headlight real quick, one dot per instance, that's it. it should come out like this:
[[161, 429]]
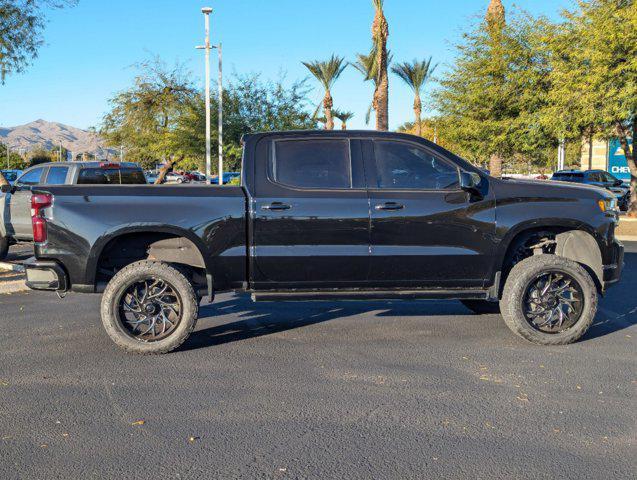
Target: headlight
[[607, 204]]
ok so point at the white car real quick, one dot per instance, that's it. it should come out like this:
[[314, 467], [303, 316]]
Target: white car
[[173, 177]]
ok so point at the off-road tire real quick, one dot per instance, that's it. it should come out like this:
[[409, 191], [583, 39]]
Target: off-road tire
[[482, 307], [515, 287], [136, 272], [4, 247]]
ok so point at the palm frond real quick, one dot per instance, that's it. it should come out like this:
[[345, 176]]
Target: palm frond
[[343, 116], [415, 74], [327, 72]]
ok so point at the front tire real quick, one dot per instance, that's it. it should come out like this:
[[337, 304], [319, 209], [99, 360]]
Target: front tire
[[149, 308], [549, 300]]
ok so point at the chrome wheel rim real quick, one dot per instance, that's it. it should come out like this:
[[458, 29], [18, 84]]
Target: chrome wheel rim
[[553, 302], [150, 309]]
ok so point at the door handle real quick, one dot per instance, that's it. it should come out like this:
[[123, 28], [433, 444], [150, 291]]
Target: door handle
[[391, 206], [276, 206]]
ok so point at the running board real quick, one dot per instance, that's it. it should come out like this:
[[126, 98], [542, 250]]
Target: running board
[[296, 296]]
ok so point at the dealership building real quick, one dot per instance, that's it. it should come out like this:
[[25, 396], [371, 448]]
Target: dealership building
[[607, 155]]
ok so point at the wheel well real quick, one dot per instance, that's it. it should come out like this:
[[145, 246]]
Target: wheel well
[[577, 245], [165, 247]]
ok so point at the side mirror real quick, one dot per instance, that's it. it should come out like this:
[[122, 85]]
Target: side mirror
[[7, 189], [618, 183], [469, 182]]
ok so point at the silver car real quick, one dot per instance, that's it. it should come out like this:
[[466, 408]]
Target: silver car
[[16, 205]]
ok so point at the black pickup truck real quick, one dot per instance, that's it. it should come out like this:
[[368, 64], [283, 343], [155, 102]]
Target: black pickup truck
[[331, 215]]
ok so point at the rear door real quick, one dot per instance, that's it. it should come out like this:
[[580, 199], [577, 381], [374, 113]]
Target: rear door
[[310, 214], [19, 215], [425, 231]]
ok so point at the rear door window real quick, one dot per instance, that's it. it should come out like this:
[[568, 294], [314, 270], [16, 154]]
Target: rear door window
[[322, 164], [57, 176]]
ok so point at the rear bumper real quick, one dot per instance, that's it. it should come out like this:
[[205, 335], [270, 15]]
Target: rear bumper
[[45, 275], [613, 271]]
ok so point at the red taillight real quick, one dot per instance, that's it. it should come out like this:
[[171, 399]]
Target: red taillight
[[39, 201]]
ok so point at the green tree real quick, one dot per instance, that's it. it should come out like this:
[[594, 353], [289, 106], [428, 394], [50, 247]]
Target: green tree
[[491, 102], [416, 75], [594, 75], [380, 34], [344, 117], [327, 72], [21, 25], [146, 117]]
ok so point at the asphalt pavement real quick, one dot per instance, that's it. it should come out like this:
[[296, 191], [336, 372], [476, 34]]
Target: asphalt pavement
[[317, 390]]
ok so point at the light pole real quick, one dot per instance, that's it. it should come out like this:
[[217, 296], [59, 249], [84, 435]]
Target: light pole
[[220, 115], [206, 13]]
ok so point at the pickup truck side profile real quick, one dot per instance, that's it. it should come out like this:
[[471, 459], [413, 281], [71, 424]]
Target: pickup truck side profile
[[331, 215]]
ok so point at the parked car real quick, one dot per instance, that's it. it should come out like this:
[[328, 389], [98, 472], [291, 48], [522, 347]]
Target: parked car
[[598, 178], [227, 177], [174, 177], [332, 215], [11, 175], [151, 177], [16, 205]]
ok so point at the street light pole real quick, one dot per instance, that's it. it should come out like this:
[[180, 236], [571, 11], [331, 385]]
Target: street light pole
[[220, 119], [206, 12]]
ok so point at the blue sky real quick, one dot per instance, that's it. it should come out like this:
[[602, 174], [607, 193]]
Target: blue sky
[[90, 49]]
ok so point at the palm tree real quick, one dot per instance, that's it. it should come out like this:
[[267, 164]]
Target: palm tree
[[380, 33], [344, 117], [366, 64], [416, 75], [327, 73]]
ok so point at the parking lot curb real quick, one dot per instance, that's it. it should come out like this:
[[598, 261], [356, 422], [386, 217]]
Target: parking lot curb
[[11, 267]]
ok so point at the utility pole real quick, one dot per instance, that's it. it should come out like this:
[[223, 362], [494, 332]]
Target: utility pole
[[121, 153], [561, 155], [220, 116], [206, 13]]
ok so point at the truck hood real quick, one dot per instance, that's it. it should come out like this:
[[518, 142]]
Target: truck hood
[[551, 187]]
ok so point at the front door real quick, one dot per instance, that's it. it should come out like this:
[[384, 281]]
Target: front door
[[310, 214], [425, 231]]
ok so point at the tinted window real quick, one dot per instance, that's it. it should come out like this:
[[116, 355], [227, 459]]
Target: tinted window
[[111, 176], [595, 177], [402, 165], [57, 175], [313, 163], [132, 176], [32, 177], [10, 176], [568, 177]]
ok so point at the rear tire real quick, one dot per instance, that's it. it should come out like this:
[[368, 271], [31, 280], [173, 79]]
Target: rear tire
[[482, 307], [532, 310], [149, 308], [4, 247]]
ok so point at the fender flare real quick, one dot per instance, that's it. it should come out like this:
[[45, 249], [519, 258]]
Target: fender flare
[[99, 245]]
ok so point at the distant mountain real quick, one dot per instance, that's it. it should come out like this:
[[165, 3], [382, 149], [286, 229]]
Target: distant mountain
[[49, 135]]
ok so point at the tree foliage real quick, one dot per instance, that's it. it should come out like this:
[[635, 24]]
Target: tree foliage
[[493, 96], [21, 26]]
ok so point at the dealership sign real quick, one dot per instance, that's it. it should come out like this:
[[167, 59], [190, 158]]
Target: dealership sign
[[617, 164]]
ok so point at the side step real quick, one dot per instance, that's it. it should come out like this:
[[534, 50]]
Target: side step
[[320, 295]]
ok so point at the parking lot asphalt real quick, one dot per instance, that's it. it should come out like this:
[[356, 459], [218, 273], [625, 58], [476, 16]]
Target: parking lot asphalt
[[317, 390]]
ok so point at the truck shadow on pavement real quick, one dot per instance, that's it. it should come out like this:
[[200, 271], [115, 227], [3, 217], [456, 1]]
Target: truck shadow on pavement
[[617, 311]]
